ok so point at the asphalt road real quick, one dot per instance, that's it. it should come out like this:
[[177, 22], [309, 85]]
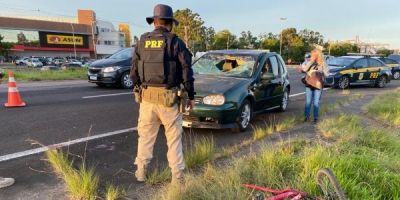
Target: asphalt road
[[66, 111]]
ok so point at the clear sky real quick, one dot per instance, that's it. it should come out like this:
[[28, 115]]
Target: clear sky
[[372, 20]]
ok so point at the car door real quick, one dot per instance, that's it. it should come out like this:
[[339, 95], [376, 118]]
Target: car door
[[373, 70], [359, 69], [269, 88]]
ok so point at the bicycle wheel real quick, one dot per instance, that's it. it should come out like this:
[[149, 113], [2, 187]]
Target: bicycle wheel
[[329, 185]]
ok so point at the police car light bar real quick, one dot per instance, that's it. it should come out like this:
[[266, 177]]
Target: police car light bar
[[365, 54]]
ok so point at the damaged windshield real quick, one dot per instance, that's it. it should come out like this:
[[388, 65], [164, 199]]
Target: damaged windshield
[[225, 65]]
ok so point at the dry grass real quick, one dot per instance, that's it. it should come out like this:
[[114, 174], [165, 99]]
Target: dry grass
[[114, 193], [199, 152], [157, 176], [365, 160]]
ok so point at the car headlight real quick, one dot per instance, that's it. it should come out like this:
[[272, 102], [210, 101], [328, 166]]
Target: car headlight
[[332, 74], [111, 69], [215, 100]]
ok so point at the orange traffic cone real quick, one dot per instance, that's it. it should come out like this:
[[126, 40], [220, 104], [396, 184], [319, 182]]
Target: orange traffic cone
[[14, 99]]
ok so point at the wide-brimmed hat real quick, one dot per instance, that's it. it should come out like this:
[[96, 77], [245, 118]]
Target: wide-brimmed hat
[[162, 11]]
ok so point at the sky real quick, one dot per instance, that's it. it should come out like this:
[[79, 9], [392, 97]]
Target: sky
[[371, 20]]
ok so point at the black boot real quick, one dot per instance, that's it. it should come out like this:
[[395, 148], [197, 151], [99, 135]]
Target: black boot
[[315, 121], [306, 119]]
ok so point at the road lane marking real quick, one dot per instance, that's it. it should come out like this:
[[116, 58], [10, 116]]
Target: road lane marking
[[301, 93], [107, 95], [63, 144]]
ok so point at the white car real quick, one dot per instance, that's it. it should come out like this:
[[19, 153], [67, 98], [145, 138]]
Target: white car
[[74, 62], [22, 61], [34, 62]]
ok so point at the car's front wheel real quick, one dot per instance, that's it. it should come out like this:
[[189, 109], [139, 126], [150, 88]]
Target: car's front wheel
[[126, 81], [381, 82], [245, 115], [285, 100], [396, 75], [344, 82]]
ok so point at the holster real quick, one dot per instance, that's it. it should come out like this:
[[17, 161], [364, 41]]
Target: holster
[[160, 96], [183, 101], [137, 92]]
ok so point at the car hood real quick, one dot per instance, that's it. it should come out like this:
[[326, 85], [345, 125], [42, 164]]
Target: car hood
[[333, 69], [209, 84], [107, 63]]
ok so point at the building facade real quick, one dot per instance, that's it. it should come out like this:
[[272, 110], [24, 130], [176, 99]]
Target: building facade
[[83, 36]]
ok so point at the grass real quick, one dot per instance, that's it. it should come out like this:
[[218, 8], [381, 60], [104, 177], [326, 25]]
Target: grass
[[82, 183], [114, 193], [386, 108], [38, 75], [275, 126], [157, 176], [200, 152], [365, 160]]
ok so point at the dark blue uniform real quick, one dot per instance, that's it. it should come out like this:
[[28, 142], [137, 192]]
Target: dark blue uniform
[[162, 59]]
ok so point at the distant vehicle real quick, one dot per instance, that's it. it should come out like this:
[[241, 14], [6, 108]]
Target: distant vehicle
[[22, 61], [49, 68], [58, 61], [393, 65], [357, 70], [113, 70], [74, 62], [395, 57], [71, 65], [233, 85], [34, 62]]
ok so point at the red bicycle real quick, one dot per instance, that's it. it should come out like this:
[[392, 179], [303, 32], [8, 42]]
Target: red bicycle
[[325, 179]]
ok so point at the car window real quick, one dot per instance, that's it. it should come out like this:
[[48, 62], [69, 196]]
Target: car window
[[390, 61], [375, 63], [361, 63], [122, 54], [282, 69], [234, 65], [274, 65]]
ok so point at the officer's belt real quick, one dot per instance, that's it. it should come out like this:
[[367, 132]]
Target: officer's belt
[[160, 96]]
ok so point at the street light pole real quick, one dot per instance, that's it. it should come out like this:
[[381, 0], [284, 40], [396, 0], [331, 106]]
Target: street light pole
[[281, 39], [73, 38]]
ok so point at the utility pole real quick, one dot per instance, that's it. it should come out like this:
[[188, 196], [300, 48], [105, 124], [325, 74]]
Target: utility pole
[[73, 38], [281, 39], [93, 39]]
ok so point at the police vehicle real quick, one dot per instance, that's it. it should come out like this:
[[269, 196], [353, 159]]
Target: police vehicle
[[393, 65], [357, 70]]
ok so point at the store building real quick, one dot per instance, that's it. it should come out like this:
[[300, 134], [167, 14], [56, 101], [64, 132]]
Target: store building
[[83, 36]]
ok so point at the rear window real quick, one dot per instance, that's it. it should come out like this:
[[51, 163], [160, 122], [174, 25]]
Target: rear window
[[340, 61]]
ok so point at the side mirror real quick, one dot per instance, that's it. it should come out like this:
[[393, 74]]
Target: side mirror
[[267, 76]]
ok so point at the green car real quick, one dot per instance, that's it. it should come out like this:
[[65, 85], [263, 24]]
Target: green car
[[233, 85]]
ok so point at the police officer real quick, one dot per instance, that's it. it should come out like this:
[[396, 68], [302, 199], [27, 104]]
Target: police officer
[[161, 64]]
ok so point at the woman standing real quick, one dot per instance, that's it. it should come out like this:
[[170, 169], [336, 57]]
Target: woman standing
[[318, 69]]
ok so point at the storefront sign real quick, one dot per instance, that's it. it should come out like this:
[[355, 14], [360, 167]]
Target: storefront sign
[[64, 40]]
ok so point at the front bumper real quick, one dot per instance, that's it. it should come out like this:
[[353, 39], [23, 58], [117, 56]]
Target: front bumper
[[101, 77], [212, 117]]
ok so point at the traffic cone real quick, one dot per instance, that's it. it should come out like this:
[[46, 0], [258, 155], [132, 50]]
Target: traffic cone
[[14, 99]]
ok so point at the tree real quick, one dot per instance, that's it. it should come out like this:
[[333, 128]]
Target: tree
[[342, 49], [190, 26], [270, 42], [311, 37], [248, 41], [385, 51], [4, 47], [207, 38], [225, 40]]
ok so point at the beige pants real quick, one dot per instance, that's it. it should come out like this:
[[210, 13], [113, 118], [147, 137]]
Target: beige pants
[[151, 116]]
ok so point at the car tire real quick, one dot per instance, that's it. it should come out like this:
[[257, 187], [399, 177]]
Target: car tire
[[396, 75], [284, 101], [126, 81], [344, 82], [381, 82], [245, 115]]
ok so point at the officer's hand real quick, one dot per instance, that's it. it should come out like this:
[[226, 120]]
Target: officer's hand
[[190, 105]]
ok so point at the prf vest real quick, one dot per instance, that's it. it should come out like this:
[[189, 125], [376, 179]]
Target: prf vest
[[157, 67]]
